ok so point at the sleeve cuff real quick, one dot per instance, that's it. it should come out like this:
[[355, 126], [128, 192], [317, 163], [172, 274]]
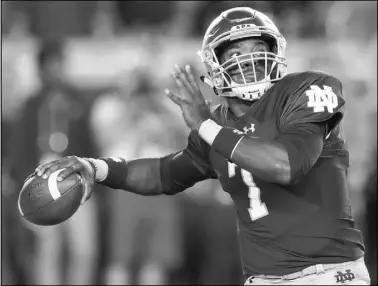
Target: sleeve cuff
[[223, 140], [208, 130]]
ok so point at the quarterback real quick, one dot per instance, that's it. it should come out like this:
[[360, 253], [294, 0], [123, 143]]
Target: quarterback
[[275, 145]]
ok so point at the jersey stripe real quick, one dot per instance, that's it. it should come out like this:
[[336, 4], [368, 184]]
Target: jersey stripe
[[53, 185]]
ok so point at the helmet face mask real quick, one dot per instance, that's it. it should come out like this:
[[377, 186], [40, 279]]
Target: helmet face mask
[[247, 75]]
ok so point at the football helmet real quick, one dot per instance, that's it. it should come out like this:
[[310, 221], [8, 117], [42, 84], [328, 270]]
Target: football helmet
[[235, 24]]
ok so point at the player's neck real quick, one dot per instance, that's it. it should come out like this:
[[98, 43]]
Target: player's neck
[[238, 106]]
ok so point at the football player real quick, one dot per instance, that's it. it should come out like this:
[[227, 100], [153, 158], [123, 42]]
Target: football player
[[276, 147]]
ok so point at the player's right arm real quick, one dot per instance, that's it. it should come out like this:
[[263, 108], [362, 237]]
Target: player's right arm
[[147, 176]]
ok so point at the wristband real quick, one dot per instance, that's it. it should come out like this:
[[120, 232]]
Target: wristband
[[223, 140], [208, 130], [117, 172], [100, 167]]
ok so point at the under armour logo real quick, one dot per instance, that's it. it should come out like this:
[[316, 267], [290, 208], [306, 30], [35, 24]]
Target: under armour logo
[[252, 128], [237, 131], [342, 277]]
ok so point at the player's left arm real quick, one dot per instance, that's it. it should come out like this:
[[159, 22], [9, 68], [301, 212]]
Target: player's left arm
[[306, 120]]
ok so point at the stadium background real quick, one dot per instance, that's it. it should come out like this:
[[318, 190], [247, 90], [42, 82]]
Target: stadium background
[[113, 42]]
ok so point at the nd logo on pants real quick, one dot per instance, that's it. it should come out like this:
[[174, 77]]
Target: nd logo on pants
[[347, 273]]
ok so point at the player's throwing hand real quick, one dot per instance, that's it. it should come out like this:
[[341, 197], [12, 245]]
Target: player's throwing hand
[[71, 164], [189, 98]]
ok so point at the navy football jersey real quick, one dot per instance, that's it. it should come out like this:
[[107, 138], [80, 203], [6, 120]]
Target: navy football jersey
[[283, 229]]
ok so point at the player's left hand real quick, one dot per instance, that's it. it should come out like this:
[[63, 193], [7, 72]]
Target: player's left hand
[[190, 99]]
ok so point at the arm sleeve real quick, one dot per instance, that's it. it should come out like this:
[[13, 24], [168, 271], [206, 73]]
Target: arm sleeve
[[183, 169], [304, 144]]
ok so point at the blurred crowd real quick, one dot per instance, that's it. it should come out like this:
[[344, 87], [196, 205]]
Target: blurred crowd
[[86, 78]]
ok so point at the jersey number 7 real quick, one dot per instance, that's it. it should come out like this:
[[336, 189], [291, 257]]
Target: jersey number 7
[[257, 208]]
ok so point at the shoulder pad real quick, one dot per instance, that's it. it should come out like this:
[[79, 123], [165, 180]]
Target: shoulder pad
[[311, 97]]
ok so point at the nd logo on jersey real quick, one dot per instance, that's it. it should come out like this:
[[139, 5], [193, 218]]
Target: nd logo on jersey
[[320, 98]]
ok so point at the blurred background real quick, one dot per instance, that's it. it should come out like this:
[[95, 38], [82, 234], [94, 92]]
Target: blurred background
[[87, 78]]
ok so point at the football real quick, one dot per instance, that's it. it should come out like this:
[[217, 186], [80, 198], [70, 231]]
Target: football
[[48, 201]]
